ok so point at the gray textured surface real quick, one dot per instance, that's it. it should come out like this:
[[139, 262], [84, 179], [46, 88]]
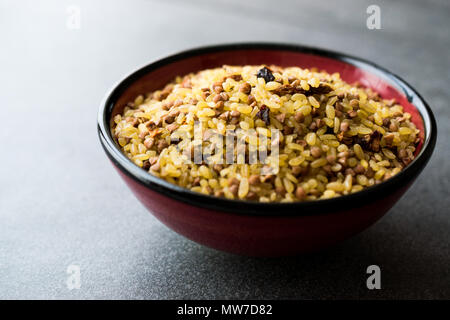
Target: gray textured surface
[[61, 202]]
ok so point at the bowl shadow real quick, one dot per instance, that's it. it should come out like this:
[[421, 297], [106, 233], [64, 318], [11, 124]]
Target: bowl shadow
[[192, 271]]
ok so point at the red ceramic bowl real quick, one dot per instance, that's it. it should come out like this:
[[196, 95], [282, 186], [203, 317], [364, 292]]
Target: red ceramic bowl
[[265, 229]]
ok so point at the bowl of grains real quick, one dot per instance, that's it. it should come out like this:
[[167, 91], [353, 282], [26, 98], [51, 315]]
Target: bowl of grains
[[266, 149]]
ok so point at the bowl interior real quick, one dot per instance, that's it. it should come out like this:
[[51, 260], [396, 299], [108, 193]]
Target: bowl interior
[[155, 75], [351, 70]]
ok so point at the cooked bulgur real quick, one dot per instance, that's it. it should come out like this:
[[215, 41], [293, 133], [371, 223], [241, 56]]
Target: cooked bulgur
[[327, 137]]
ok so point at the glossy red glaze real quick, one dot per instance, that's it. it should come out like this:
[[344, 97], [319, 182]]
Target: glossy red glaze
[[272, 233], [260, 236]]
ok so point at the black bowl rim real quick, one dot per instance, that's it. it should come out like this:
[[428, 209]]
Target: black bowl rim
[[242, 207]]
